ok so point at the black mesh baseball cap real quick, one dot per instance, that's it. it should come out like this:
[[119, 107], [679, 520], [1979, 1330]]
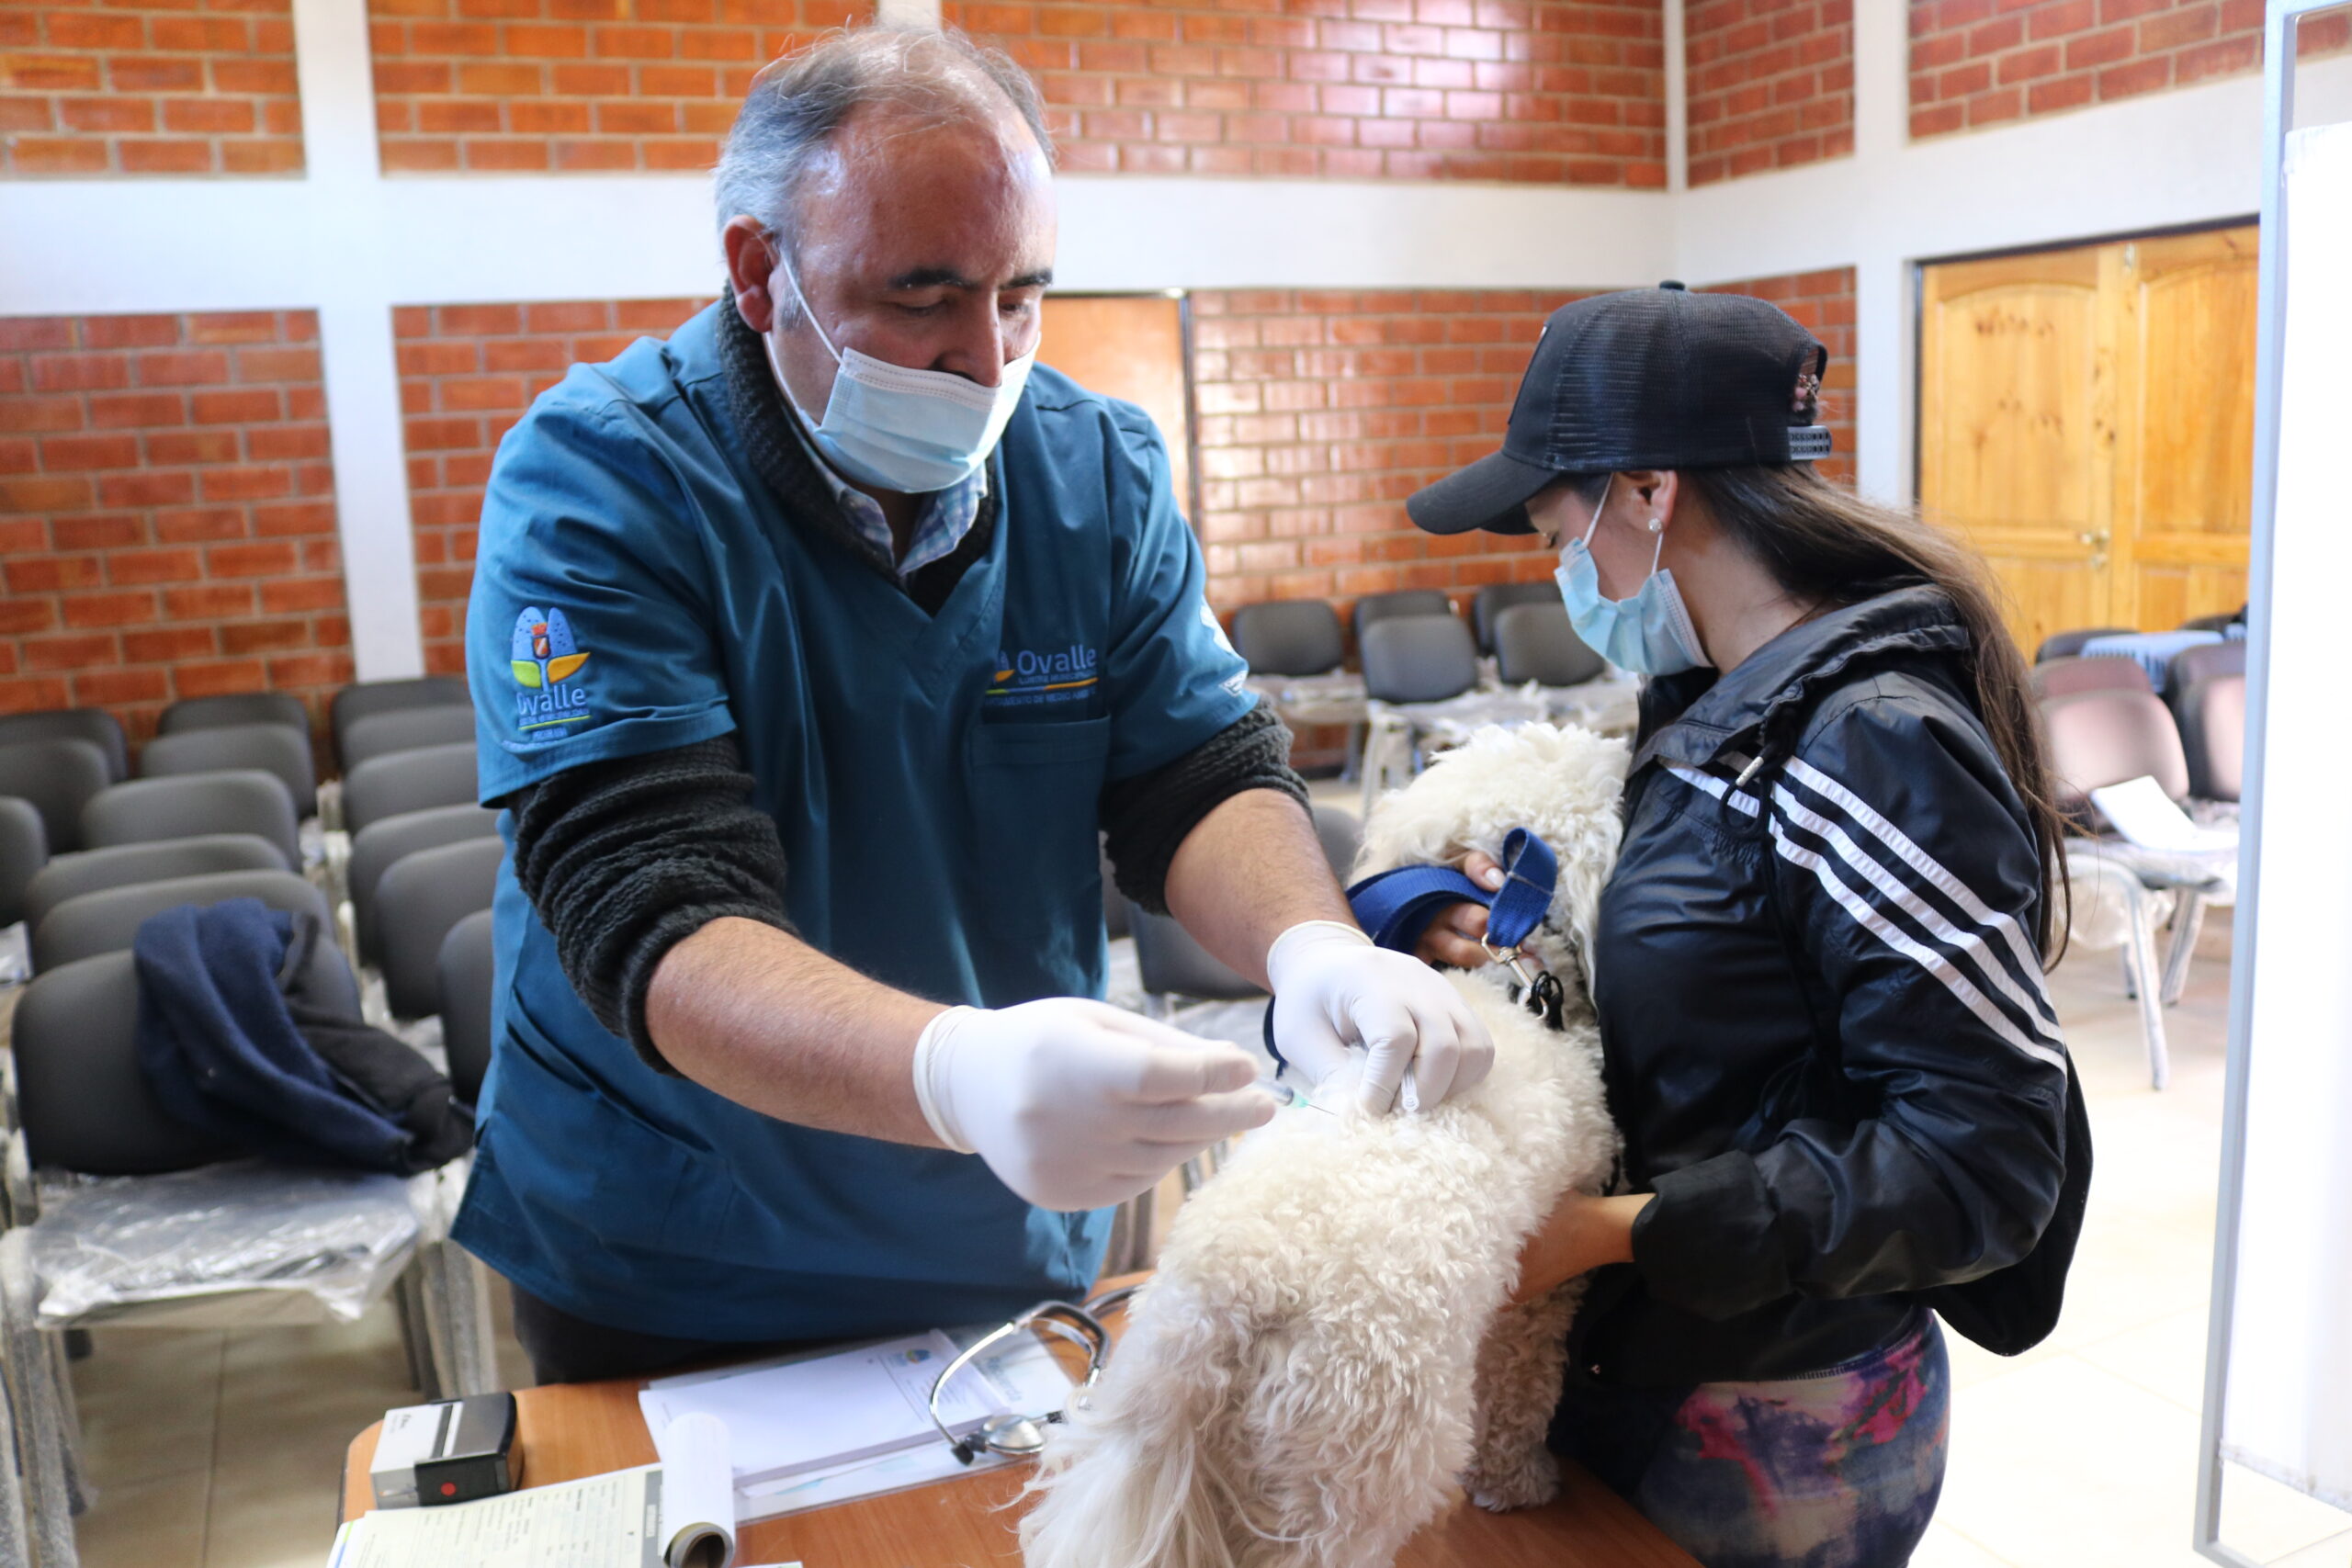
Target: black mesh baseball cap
[[1648, 379]]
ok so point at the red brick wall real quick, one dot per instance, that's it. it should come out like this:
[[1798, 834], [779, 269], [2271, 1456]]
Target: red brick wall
[[1320, 412], [167, 525], [1550, 91], [468, 372], [1824, 302], [148, 88], [1977, 62], [1771, 85], [574, 85]]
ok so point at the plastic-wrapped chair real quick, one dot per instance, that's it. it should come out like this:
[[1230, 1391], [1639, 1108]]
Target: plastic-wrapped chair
[[125, 865], [408, 781], [406, 729], [59, 777], [234, 709], [96, 725], [1489, 603], [2065, 645], [381, 845], [417, 900], [2102, 737], [2064, 677], [1421, 673], [146, 811], [271, 748], [24, 852], [1295, 652], [107, 921], [466, 971], [367, 698]]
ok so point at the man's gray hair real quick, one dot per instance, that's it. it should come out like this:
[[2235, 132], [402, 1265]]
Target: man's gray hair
[[799, 104]]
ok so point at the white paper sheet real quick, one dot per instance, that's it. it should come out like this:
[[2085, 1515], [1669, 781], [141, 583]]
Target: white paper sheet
[[2147, 817], [697, 1493], [605, 1521]]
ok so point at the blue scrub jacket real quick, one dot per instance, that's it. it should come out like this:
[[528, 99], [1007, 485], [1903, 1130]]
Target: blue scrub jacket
[[934, 779]]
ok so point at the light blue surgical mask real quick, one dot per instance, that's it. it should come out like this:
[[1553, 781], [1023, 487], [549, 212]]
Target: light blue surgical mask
[[1650, 633], [896, 428]]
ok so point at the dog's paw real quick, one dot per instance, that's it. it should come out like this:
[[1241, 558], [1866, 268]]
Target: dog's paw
[[1519, 1482]]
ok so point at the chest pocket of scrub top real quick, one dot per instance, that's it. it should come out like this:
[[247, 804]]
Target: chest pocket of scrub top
[[1036, 788]]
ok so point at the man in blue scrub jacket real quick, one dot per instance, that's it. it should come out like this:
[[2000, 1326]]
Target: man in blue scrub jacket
[[810, 649]]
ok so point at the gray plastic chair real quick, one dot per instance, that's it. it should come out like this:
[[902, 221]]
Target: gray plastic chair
[[24, 850], [1404, 601], [2065, 645], [236, 708], [2066, 675], [2213, 736], [273, 748], [405, 730], [106, 920], [2100, 738], [379, 846], [2191, 665], [1289, 636], [1534, 642], [126, 865], [59, 777], [1173, 965], [147, 811], [1489, 603], [368, 698], [96, 725], [467, 972], [408, 781], [2222, 622], [417, 901], [1418, 659]]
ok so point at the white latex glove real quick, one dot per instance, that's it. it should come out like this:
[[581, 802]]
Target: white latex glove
[[1334, 992], [1077, 1105]]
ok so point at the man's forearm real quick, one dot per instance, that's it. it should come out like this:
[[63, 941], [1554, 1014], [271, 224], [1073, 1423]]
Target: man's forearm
[[1248, 872], [761, 1017]]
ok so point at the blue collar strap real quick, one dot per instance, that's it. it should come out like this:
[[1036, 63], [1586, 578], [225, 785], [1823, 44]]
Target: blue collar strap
[[1395, 906]]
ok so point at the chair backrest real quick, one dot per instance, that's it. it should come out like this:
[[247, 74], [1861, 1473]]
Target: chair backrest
[[355, 702], [1289, 636], [273, 748], [2215, 623], [406, 729], [1535, 642], [1404, 601], [59, 777], [96, 725], [408, 781], [2065, 677], [1172, 963], [416, 903], [1418, 659], [2107, 737], [235, 708], [24, 850], [124, 865], [1487, 605], [2065, 645], [2191, 665], [2212, 734], [145, 811], [110, 918], [467, 970], [381, 845], [81, 1092]]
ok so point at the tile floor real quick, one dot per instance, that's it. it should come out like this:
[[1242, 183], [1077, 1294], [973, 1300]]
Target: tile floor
[[222, 1450]]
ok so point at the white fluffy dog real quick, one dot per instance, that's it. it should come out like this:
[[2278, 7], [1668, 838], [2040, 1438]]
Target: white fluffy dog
[[1324, 1348]]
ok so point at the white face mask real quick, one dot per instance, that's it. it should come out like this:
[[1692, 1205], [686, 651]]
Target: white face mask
[[911, 431]]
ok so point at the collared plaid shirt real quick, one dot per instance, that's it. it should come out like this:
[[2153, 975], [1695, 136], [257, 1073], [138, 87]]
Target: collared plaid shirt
[[946, 515]]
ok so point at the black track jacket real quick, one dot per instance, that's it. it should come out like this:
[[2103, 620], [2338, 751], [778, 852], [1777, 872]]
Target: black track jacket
[[1821, 1003]]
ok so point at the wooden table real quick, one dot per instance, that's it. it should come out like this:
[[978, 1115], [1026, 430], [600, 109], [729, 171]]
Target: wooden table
[[572, 1431]]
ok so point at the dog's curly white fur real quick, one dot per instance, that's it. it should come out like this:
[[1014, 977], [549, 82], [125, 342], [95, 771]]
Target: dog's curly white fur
[[1324, 1348]]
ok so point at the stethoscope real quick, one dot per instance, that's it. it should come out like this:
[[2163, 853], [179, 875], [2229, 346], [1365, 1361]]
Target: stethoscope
[[1024, 1437]]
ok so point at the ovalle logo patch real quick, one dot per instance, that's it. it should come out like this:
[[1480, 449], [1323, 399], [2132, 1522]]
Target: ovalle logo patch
[[546, 659]]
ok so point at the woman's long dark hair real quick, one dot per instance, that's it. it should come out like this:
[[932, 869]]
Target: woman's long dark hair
[[1829, 546]]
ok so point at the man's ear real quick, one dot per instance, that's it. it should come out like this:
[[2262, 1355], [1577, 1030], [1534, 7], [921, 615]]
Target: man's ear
[[750, 263]]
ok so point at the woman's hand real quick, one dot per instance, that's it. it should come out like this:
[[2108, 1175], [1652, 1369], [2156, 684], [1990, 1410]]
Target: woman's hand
[[1453, 937], [1582, 1233]]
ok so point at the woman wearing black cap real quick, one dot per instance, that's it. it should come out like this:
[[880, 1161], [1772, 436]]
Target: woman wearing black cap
[[1847, 1106]]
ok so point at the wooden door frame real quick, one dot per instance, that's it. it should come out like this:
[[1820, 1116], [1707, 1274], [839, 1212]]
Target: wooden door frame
[[1183, 297]]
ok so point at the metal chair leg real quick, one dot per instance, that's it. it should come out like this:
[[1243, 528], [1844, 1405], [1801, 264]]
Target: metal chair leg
[[16, 1540], [2140, 955], [456, 1290], [35, 1400], [2187, 924]]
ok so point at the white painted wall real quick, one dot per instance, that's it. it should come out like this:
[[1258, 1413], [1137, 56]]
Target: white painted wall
[[351, 243]]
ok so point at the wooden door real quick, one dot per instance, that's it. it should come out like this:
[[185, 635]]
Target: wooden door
[[2087, 418], [1129, 346]]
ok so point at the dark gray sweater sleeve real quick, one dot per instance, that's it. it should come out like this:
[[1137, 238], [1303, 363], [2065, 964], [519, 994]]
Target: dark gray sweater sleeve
[[1146, 818], [623, 860]]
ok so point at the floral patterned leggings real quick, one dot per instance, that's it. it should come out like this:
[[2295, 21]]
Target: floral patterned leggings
[[1838, 1469]]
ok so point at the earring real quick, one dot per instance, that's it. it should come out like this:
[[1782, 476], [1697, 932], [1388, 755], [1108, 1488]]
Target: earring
[[1656, 525]]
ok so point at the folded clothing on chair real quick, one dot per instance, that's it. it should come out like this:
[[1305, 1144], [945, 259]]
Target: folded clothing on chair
[[230, 1045]]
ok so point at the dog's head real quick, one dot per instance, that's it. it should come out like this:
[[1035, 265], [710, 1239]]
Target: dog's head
[[1562, 785]]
